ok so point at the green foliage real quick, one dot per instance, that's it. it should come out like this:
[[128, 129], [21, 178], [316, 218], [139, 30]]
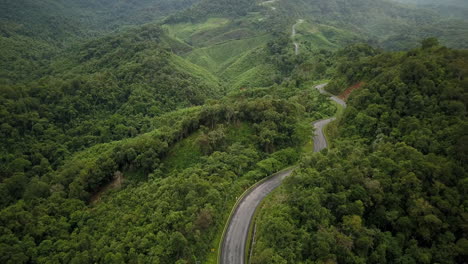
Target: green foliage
[[112, 149], [232, 49], [32, 32], [60, 19], [178, 182], [213, 8], [184, 154], [384, 23], [218, 57], [197, 33], [451, 8], [104, 90], [392, 190], [315, 36]]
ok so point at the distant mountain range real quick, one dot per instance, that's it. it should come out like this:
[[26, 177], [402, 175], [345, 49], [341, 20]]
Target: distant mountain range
[[451, 8]]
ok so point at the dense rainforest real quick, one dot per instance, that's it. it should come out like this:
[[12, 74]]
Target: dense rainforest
[[393, 188], [174, 202], [32, 32], [128, 129], [96, 94]]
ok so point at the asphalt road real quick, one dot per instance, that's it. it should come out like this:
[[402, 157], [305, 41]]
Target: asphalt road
[[235, 238], [269, 3], [320, 142], [321, 88], [296, 45]]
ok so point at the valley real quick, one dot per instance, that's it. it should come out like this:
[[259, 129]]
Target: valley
[[202, 131]]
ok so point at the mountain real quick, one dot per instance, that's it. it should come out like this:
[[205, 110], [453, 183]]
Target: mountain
[[387, 24], [450, 8], [185, 174], [129, 130], [230, 42], [32, 32], [210, 8], [100, 91], [62, 19], [393, 187]]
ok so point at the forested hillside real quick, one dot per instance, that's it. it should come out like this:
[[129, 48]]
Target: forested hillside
[[105, 90], [55, 19], [230, 39], [384, 23], [32, 32], [179, 182], [129, 129], [451, 8], [230, 42], [393, 188], [211, 8]]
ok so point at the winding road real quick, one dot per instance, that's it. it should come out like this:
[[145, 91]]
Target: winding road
[[237, 233], [320, 142], [296, 45], [235, 238], [269, 3]]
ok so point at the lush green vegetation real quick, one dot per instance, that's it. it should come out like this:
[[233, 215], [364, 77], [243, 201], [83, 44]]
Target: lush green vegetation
[[61, 19], [233, 49], [214, 8], [129, 143], [106, 90], [451, 8], [393, 189], [32, 32], [382, 23], [170, 210], [232, 45]]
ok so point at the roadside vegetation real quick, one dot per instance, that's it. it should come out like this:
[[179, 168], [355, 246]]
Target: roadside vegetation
[[231, 144], [393, 187], [128, 129]]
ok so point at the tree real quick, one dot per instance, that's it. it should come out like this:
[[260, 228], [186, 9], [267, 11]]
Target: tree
[[204, 219], [429, 43], [36, 189]]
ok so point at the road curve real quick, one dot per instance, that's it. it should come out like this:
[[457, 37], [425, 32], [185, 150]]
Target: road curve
[[235, 238], [269, 3], [321, 89], [236, 235], [296, 45], [320, 141]]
